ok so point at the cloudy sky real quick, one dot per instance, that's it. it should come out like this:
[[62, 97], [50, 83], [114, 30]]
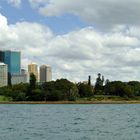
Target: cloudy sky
[[76, 37]]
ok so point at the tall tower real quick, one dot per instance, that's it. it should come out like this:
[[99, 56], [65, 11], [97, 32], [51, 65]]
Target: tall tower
[[45, 73], [12, 59], [1, 56], [33, 68]]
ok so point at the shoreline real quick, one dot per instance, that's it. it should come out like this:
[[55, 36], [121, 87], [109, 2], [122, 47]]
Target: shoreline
[[73, 102]]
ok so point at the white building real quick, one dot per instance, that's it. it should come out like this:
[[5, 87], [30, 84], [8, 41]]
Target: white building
[[3, 75], [18, 78]]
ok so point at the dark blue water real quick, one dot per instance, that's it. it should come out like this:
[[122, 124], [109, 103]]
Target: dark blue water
[[69, 122]]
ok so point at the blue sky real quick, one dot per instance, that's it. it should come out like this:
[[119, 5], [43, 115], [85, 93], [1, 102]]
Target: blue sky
[[76, 37], [25, 12]]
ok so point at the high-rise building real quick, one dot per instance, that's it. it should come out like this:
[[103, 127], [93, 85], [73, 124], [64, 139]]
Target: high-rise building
[[33, 68], [1, 56], [3, 75], [45, 73], [12, 59]]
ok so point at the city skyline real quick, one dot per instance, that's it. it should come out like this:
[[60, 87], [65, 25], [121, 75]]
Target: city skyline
[[76, 38], [11, 70]]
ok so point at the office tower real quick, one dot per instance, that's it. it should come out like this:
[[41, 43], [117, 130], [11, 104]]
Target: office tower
[[12, 59], [1, 56], [3, 75], [45, 73], [33, 68]]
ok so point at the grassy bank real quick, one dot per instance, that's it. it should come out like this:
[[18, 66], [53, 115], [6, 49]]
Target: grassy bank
[[5, 99], [74, 102], [98, 99], [108, 98]]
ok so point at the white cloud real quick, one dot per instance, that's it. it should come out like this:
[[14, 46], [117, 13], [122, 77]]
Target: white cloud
[[37, 3], [78, 53], [3, 22], [15, 3], [100, 13]]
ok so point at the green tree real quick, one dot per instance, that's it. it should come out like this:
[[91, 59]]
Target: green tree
[[32, 81], [136, 87], [61, 89], [99, 84], [89, 80], [119, 88], [37, 95], [85, 90]]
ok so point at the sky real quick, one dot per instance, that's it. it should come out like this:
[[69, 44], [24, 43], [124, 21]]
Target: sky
[[76, 38]]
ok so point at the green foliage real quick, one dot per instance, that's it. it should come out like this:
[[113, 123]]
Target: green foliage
[[32, 81], [136, 87], [99, 84], [55, 95], [118, 88], [85, 90], [61, 89], [37, 95], [19, 96], [5, 99], [20, 87], [89, 80]]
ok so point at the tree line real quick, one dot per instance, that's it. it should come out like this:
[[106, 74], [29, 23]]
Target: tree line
[[63, 89]]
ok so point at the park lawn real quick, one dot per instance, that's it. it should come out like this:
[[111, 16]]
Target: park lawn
[[5, 99]]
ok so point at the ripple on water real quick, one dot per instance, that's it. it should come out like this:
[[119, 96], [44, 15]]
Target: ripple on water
[[69, 122]]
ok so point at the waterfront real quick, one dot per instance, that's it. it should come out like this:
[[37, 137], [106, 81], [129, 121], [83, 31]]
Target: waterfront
[[69, 122]]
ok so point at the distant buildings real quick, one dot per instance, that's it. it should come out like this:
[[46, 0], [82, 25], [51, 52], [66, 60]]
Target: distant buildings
[[13, 61], [3, 75], [11, 72], [33, 68], [45, 73], [18, 78]]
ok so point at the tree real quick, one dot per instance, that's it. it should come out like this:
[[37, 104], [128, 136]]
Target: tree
[[32, 81], [136, 87], [31, 87], [89, 80], [85, 90], [118, 88], [61, 89], [99, 84]]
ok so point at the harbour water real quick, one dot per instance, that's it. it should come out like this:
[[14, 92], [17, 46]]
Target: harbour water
[[70, 122]]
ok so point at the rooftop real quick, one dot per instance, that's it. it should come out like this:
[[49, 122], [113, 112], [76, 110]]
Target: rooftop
[[2, 64]]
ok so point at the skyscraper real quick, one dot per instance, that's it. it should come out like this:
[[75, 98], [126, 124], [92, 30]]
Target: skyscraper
[[45, 73], [3, 75], [33, 68], [1, 56], [12, 59]]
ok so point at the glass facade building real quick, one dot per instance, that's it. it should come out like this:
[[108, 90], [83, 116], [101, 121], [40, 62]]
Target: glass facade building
[[12, 59], [1, 56]]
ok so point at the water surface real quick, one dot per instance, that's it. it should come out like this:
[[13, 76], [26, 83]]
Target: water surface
[[69, 122]]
